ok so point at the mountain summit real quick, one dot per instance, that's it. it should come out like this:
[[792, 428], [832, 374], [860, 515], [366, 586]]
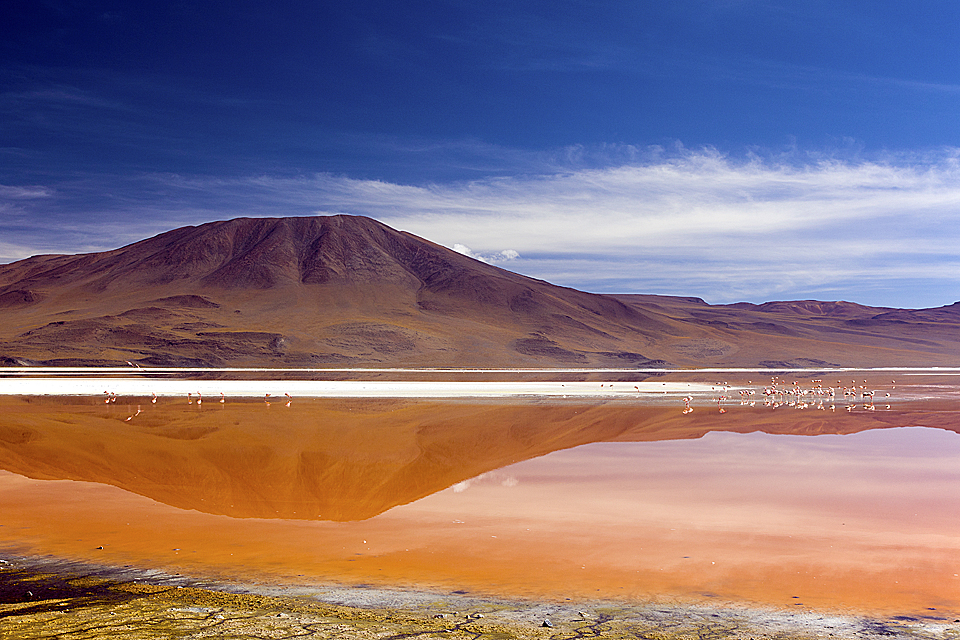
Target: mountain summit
[[348, 290]]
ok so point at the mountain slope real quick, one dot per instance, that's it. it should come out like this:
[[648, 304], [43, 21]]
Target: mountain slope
[[347, 290]]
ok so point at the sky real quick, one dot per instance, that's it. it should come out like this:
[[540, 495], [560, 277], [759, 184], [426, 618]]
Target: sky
[[735, 150]]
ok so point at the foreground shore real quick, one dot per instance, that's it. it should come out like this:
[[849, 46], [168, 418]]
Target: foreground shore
[[40, 598]]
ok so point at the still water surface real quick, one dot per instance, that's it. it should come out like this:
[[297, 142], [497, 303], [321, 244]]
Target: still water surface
[[851, 508]]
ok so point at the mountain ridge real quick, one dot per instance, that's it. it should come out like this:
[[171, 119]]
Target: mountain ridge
[[333, 290]]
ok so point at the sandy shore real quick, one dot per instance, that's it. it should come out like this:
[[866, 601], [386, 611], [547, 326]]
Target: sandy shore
[[42, 598]]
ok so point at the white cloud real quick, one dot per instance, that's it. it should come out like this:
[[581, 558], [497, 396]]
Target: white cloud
[[690, 200], [490, 258]]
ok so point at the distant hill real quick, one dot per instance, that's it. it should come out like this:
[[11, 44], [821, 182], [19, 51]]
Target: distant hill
[[350, 291]]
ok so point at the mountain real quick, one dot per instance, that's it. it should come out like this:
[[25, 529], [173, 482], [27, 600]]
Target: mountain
[[350, 291]]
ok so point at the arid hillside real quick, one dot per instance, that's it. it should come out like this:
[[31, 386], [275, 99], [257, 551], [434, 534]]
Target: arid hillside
[[350, 291]]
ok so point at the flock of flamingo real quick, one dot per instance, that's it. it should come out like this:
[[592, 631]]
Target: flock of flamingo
[[779, 394], [111, 398]]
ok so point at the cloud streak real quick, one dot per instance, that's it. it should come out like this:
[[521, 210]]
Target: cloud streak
[[698, 223]]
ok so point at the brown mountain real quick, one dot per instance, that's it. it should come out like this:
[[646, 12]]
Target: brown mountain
[[347, 290]]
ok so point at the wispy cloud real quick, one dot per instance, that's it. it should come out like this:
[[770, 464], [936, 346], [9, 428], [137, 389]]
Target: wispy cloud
[[23, 192], [690, 223], [777, 74]]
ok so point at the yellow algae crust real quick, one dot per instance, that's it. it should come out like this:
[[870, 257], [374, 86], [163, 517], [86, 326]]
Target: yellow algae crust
[[38, 604]]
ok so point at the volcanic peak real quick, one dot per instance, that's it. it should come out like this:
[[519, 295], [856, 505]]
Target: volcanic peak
[[348, 289]]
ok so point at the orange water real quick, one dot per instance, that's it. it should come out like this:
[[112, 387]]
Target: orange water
[[527, 499]]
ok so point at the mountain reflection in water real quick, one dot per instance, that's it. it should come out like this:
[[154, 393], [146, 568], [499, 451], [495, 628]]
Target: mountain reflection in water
[[341, 459]]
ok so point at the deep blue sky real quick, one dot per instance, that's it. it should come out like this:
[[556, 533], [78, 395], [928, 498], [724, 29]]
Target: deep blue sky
[[731, 149]]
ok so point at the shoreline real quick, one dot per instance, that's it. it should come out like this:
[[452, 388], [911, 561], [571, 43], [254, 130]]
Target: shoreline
[[41, 595], [138, 387], [499, 370]]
